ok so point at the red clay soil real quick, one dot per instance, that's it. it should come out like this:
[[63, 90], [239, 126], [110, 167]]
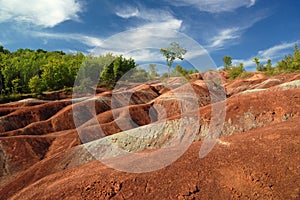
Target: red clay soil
[[260, 164], [41, 156]]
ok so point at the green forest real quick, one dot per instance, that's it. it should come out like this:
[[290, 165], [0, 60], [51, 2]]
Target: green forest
[[35, 71]]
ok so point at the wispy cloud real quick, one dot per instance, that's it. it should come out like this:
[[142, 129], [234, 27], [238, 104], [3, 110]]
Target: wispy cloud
[[127, 12], [248, 63], [169, 24], [138, 39], [275, 53], [154, 29], [144, 45], [42, 13], [214, 6], [224, 36], [276, 50], [151, 18], [252, 3], [87, 40], [148, 14], [146, 55]]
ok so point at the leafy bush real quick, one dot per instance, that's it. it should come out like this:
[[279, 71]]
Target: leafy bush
[[235, 72], [36, 85], [10, 98], [245, 74]]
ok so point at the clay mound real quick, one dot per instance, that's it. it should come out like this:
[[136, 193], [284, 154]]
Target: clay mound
[[183, 99], [62, 120], [266, 84], [256, 77], [118, 120], [6, 110], [142, 114], [21, 103], [41, 152], [239, 167], [27, 115], [258, 81], [241, 85], [294, 77], [58, 116], [248, 111], [18, 154]]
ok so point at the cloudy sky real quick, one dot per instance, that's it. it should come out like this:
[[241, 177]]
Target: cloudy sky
[[242, 29]]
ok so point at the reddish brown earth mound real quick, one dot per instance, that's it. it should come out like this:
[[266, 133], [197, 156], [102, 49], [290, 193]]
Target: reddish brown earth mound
[[259, 164], [256, 157]]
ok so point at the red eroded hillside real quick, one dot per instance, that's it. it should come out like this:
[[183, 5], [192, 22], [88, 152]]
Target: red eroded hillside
[[256, 155]]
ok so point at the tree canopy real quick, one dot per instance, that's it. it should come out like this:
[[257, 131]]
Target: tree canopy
[[227, 62], [26, 70], [174, 51]]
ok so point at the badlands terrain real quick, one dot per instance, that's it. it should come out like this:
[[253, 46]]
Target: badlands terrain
[[254, 151]]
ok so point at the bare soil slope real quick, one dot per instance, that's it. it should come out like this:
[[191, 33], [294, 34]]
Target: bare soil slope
[[256, 157]]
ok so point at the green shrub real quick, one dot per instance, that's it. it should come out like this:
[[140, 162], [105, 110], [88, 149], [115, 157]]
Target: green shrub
[[245, 75], [235, 72]]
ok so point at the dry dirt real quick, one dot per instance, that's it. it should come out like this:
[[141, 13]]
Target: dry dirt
[[257, 155]]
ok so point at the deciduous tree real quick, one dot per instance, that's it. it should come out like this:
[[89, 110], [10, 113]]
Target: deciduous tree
[[174, 51], [227, 62]]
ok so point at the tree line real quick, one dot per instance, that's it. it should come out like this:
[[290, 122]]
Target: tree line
[[290, 63], [36, 71]]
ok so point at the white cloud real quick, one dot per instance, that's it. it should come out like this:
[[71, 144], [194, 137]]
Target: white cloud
[[87, 40], [135, 40], [154, 29], [146, 55], [214, 6], [275, 53], [157, 30], [224, 36], [153, 54], [252, 3], [152, 18], [155, 15], [170, 24], [142, 44], [247, 62], [43, 13], [127, 12], [276, 50]]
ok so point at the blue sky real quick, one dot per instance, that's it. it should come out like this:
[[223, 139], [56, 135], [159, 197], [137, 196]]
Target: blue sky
[[242, 29]]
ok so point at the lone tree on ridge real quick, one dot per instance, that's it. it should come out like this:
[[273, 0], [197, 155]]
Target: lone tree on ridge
[[171, 53]]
